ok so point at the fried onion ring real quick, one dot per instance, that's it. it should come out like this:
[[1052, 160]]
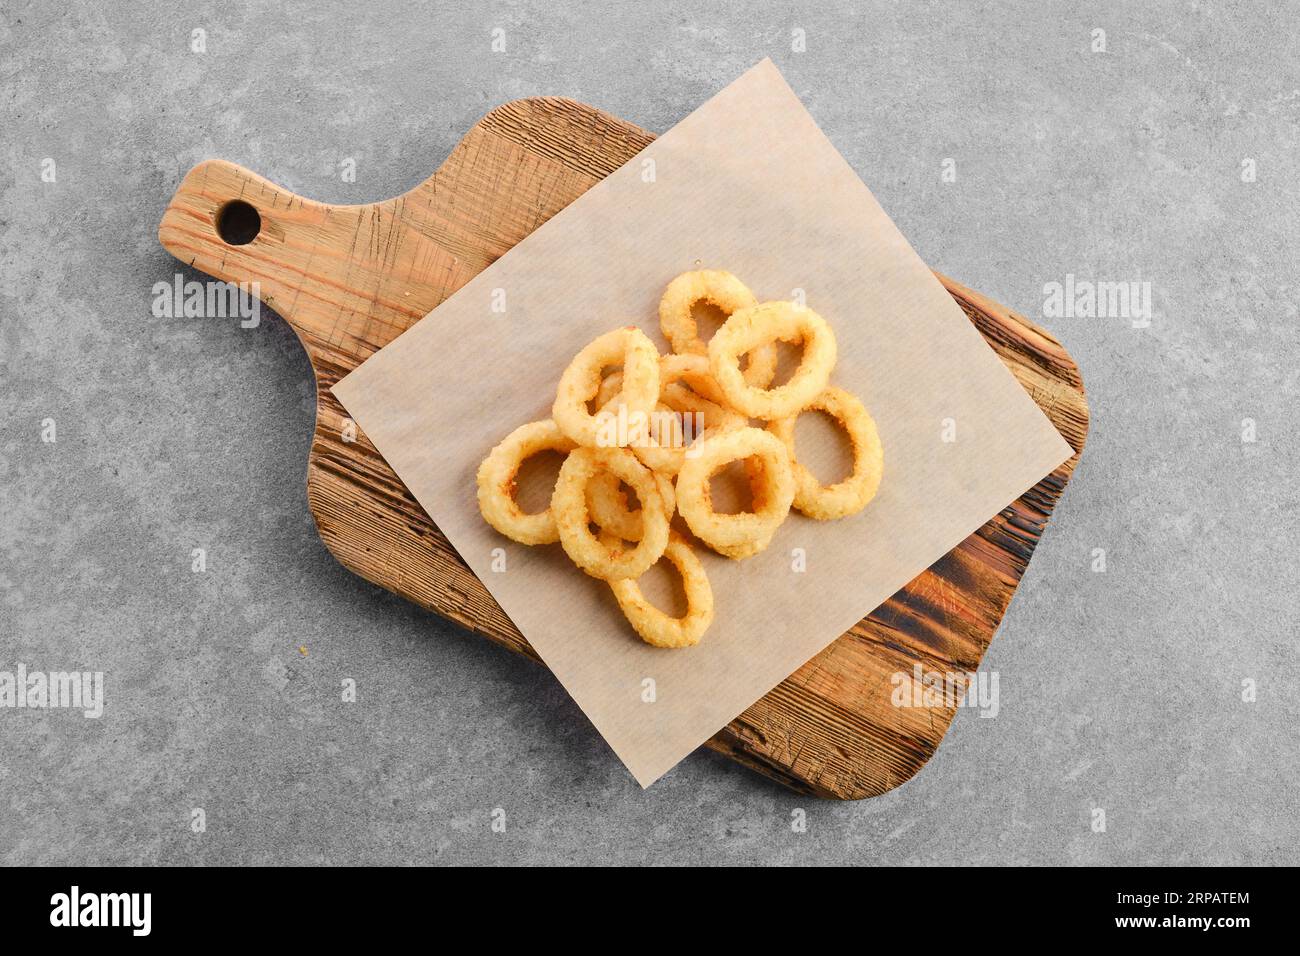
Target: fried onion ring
[[572, 519], [608, 508], [758, 495], [730, 295], [655, 627], [581, 382], [747, 533], [847, 497], [765, 324], [496, 483]]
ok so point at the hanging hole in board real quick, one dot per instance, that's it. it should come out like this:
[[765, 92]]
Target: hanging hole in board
[[238, 223]]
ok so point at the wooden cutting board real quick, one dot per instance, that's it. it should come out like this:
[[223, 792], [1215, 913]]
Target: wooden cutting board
[[350, 279]]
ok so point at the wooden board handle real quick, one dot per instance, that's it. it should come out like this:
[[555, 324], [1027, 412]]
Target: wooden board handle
[[348, 279]]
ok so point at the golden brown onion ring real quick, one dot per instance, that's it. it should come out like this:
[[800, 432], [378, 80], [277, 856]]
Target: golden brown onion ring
[[572, 519], [608, 506], [747, 533], [496, 483], [847, 497], [729, 294], [581, 382], [655, 627], [766, 323]]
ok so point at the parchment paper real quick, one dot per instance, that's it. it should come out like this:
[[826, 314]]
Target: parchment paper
[[746, 183]]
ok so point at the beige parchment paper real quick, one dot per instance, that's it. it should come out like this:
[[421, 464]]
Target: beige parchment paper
[[746, 183]]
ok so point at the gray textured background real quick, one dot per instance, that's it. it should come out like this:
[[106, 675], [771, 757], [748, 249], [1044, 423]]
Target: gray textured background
[[1119, 690]]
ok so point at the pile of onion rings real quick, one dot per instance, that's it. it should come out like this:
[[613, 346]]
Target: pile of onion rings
[[662, 426]]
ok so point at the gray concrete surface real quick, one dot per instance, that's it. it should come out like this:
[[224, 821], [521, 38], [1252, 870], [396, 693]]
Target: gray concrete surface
[[1120, 691]]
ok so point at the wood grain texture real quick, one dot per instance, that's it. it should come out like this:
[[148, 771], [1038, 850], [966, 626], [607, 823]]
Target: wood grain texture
[[350, 279]]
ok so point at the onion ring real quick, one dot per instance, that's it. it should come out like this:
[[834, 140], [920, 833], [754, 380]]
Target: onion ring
[[608, 507], [730, 295], [496, 483], [847, 497], [572, 519], [765, 324], [747, 533], [655, 627], [581, 382], [758, 495]]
